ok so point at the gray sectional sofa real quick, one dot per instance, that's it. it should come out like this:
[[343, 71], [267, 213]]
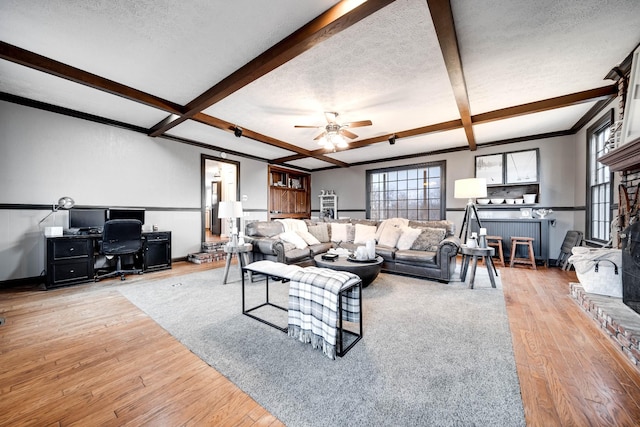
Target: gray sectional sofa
[[418, 248]]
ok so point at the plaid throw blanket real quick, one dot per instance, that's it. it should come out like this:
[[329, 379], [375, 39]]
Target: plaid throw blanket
[[313, 306]]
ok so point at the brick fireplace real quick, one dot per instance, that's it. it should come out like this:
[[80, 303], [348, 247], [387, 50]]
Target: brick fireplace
[[618, 321], [625, 160]]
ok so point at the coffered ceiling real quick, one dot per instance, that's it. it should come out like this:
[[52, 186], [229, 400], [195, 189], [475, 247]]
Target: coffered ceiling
[[440, 75]]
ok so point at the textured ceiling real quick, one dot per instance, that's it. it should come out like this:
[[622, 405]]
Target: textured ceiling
[[388, 68]]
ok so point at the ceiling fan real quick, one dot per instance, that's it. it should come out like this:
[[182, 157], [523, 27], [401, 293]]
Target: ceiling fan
[[334, 132]]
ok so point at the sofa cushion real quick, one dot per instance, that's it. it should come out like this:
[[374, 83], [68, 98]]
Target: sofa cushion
[[449, 226], [364, 233], [391, 222], [309, 238], [408, 236], [295, 255], [351, 247], [429, 239], [264, 228], [413, 257], [320, 232], [373, 222], [389, 236], [386, 252], [320, 248], [292, 237]]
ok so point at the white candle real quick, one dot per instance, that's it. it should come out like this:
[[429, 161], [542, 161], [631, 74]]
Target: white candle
[[483, 231], [474, 235]]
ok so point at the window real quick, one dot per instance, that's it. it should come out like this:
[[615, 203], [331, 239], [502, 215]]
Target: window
[[415, 192], [598, 182]]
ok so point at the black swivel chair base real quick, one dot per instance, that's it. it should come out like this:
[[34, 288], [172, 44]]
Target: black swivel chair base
[[118, 272]]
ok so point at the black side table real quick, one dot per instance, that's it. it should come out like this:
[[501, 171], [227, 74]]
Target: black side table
[[474, 253]]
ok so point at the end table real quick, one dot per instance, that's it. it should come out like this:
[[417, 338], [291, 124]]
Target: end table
[[244, 258], [474, 253]]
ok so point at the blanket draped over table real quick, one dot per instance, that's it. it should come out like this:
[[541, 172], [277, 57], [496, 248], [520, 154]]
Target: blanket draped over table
[[313, 306]]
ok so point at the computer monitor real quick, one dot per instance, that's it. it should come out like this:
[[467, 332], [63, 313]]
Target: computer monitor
[[126, 214], [87, 219]]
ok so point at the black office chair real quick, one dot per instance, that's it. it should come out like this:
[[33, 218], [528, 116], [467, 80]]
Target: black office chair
[[121, 237]]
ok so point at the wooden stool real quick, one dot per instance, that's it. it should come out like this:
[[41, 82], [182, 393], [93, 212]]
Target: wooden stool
[[496, 242], [528, 241]]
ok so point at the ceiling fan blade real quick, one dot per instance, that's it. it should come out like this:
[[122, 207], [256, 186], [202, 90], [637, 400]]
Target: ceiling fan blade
[[319, 136], [305, 126], [358, 124], [348, 134], [331, 116]]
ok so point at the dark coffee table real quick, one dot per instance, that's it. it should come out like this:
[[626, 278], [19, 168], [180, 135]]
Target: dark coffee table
[[366, 270]]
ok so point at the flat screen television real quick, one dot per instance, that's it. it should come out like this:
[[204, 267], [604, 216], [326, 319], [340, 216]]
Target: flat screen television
[[87, 219], [126, 214]]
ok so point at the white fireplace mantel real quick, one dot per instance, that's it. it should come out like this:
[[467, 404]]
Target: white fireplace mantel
[[624, 158]]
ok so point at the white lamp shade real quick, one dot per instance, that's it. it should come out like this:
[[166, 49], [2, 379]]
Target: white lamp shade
[[230, 209], [237, 209], [225, 210], [470, 188]]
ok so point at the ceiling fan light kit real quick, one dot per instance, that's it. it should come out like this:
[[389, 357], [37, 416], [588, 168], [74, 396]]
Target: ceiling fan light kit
[[334, 133], [331, 140]]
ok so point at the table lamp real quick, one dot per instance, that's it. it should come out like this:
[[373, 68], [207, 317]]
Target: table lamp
[[470, 188], [231, 210]]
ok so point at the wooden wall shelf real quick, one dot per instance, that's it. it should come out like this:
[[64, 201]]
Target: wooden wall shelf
[[289, 193]]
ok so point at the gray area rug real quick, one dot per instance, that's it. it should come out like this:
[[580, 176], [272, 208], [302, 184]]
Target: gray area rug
[[432, 354]]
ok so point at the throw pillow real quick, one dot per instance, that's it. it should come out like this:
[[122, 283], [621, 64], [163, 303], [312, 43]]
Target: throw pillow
[[391, 222], [339, 232], [443, 223], [429, 239], [408, 236], [364, 233], [292, 237], [308, 237], [389, 236], [320, 232]]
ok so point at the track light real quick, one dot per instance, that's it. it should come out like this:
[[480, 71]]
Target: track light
[[237, 131], [392, 139]]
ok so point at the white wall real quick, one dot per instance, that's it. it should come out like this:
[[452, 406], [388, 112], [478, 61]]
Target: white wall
[[44, 156]]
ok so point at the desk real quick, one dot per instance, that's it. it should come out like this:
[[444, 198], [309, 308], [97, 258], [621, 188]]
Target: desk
[[474, 253], [243, 252], [71, 259]]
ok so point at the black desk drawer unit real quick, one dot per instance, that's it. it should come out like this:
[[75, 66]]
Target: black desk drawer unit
[[156, 249], [69, 261]]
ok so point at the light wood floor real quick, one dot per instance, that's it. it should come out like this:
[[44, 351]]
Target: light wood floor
[[84, 355]]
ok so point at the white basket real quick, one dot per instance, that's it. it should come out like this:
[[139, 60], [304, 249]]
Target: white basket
[[603, 278]]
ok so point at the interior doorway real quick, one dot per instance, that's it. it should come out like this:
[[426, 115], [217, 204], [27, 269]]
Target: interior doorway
[[220, 181]]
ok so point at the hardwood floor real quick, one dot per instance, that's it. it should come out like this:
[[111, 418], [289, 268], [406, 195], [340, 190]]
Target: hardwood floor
[[84, 355]]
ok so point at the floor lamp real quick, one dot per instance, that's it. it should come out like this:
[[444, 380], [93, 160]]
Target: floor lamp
[[231, 210], [470, 188]]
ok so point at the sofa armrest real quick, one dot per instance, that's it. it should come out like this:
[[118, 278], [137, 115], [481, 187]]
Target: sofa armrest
[[448, 248], [267, 246]]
